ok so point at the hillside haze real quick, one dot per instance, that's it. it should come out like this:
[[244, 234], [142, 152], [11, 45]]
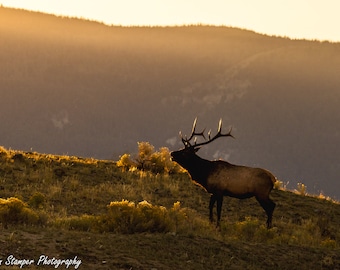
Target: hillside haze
[[70, 86]]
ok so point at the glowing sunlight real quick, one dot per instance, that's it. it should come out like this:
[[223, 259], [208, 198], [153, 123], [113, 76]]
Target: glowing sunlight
[[309, 19]]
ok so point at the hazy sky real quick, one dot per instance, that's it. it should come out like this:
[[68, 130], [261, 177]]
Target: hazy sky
[[310, 19]]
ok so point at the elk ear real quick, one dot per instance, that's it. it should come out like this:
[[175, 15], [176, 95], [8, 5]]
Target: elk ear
[[196, 149]]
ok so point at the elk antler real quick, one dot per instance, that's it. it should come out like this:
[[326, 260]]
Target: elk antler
[[219, 134], [186, 141]]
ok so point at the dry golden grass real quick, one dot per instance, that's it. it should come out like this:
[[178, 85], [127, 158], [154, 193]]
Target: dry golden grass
[[64, 199]]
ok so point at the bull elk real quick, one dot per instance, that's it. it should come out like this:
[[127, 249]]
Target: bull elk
[[220, 178]]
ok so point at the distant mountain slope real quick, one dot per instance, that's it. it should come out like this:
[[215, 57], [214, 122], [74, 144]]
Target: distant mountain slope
[[86, 89]]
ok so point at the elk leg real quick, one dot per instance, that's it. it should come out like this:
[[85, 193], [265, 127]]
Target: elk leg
[[268, 205], [271, 207], [211, 206], [219, 209]]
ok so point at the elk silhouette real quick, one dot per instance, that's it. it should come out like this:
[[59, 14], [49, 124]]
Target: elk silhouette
[[220, 178]]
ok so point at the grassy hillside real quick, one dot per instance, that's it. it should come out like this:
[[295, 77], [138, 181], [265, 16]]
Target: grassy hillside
[[64, 206], [70, 86]]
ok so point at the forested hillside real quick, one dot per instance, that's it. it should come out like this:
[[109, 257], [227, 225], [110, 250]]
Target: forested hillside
[[70, 86]]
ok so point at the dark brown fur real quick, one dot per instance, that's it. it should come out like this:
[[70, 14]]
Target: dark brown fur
[[221, 178]]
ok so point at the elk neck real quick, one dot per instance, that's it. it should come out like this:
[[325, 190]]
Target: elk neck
[[199, 169]]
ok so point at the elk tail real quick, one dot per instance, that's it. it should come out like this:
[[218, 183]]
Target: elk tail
[[274, 179]]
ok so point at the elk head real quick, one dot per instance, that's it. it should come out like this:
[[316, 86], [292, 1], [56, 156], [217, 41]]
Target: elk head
[[190, 148]]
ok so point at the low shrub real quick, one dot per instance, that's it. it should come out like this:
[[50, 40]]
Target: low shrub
[[148, 159], [15, 211], [79, 223], [126, 162], [37, 200], [127, 217], [4, 154], [301, 189]]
